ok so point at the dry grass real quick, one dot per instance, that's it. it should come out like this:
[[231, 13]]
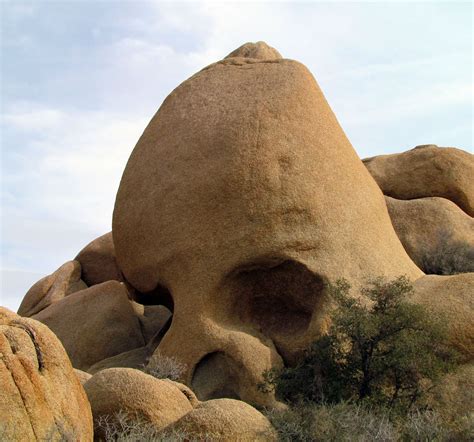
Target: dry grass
[[121, 427], [448, 256], [356, 423], [164, 367]]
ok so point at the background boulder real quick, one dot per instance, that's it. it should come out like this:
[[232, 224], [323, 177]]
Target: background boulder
[[426, 171], [98, 261], [433, 226], [94, 324], [52, 288]]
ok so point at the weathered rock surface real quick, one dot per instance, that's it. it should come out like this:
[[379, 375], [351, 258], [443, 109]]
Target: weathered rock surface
[[155, 402], [421, 224], [242, 197], [52, 288], [153, 318], [83, 376], [226, 420], [98, 261], [40, 395], [259, 51], [94, 324], [193, 400], [426, 171], [452, 297], [136, 358]]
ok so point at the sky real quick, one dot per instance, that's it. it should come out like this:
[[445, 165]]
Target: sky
[[81, 79]]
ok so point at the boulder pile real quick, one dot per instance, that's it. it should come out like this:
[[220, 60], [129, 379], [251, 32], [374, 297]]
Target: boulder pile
[[242, 199]]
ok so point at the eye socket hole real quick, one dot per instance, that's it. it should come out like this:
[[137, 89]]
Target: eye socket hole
[[215, 376], [279, 299]]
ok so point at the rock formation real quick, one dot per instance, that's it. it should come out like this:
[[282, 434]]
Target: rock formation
[[157, 403], [40, 395], [52, 288], [241, 199], [226, 420], [98, 261], [94, 324], [424, 224], [426, 170]]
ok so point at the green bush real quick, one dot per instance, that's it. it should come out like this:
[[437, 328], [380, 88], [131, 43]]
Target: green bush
[[380, 349]]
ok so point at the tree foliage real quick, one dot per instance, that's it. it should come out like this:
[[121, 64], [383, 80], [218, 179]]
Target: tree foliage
[[379, 349]]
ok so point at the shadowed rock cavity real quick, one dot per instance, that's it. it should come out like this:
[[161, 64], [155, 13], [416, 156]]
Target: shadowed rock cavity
[[278, 299], [216, 376]]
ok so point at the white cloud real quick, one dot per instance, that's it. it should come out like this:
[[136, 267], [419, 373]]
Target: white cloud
[[73, 161]]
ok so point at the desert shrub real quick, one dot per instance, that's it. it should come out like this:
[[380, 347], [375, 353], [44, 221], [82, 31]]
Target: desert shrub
[[424, 425], [164, 367], [121, 427], [358, 422], [380, 349], [332, 422], [448, 256]]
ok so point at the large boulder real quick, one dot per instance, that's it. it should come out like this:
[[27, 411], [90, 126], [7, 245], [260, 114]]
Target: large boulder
[[52, 288], [98, 261], [155, 403], [424, 171], [40, 396], [94, 324], [241, 199], [225, 420], [431, 226]]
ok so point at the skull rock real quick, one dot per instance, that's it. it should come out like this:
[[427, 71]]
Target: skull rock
[[242, 198]]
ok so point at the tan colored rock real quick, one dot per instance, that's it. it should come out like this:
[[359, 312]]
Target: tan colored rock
[[225, 420], [40, 396], [426, 171], [136, 358], [452, 297], [98, 261], [241, 199], [193, 400], [258, 51], [52, 288], [154, 318], [82, 376], [94, 324], [153, 401], [421, 224]]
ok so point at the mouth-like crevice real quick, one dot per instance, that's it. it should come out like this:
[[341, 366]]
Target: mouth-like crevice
[[157, 313], [159, 296], [279, 299], [215, 376]]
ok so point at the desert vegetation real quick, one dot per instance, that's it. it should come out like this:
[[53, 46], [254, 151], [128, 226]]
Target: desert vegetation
[[372, 377], [164, 367], [448, 256]]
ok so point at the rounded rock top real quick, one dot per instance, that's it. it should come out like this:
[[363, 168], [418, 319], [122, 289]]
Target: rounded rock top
[[258, 51]]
